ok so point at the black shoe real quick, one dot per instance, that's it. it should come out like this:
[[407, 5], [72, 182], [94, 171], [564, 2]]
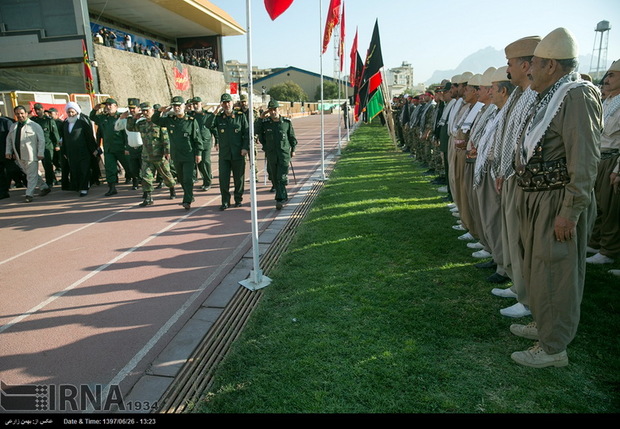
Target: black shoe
[[173, 194], [272, 189], [238, 204], [44, 192], [497, 278], [223, 207], [278, 205], [159, 185], [187, 206], [489, 264], [205, 187], [111, 191]]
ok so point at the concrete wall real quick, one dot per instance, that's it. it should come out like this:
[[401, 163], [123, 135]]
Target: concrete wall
[[126, 75]]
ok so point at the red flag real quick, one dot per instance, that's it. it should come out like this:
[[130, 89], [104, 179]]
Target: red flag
[[353, 57], [88, 74], [333, 16], [234, 87], [276, 8], [341, 46]]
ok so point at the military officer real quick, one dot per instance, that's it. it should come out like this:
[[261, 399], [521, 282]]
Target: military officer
[[155, 152], [133, 148], [185, 144], [205, 120], [105, 115], [277, 136], [232, 142]]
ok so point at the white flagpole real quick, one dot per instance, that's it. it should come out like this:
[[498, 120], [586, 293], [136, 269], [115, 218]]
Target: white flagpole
[[322, 101], [256, 279], [337, 64]]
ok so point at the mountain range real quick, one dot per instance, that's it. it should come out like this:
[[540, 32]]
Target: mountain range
[[480, 60]]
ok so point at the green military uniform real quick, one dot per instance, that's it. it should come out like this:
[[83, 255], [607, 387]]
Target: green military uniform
[[205, 122], [52, 141], [278, 140], [185, 146], [113, 145], [231, 137], [155, 149]]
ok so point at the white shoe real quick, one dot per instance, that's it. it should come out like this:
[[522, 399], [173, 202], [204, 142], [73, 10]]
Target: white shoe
[[456, 214], [454, 209], [443, 189], [517, 310], [451, 205], [599, 258], [536, 357], [481, 254], [475, 245], [591, 250], [614, 272], [458, 227], [504, 293], [466, 237]]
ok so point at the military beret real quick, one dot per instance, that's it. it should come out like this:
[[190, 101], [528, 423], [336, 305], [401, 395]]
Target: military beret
[[196, 100], [133, 102], [145, 105], [156, 106], [225, 97], [177, 100], [110, 101], [273, 104]]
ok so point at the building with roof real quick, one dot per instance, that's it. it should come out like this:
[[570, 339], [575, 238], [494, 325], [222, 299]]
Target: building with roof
[[44, 45], [307, 80]]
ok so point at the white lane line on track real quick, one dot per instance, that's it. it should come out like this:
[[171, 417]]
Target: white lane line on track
[[57, 295], [63, 236]]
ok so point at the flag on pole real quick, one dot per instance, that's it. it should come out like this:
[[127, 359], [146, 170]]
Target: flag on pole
[[371, 77], [353, 56], [276, 8], [342, 35], [88, 74], [333, 17]]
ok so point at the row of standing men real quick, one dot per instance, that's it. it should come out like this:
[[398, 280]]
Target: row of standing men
[[530, 156], [151, 144]]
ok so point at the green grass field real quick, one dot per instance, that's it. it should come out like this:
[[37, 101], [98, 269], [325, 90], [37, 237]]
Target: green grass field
[[377, 308]]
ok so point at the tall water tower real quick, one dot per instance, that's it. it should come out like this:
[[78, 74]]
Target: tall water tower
[[598, 63]]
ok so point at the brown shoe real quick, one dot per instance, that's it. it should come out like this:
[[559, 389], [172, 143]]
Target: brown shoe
[[536, 357]]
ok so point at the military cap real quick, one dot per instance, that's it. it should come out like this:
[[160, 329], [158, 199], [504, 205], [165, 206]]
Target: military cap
[[500, 75], [486, 76], [560, 44], [243, 97], [133, 102], [225, 97], [447, 86], [145, 105], [38, 106], [273, 104], [110, 101], [52, 109], [522, 48], [156, 106], [196, 100], [176, 100]]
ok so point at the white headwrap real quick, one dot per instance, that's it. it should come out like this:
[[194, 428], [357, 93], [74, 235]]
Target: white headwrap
[[74, 106]]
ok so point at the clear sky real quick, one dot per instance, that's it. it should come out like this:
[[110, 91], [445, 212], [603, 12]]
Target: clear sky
[[429, 34]]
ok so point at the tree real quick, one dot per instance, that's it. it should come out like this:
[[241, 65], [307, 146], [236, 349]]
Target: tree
[[330, 91], [287, 91]]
